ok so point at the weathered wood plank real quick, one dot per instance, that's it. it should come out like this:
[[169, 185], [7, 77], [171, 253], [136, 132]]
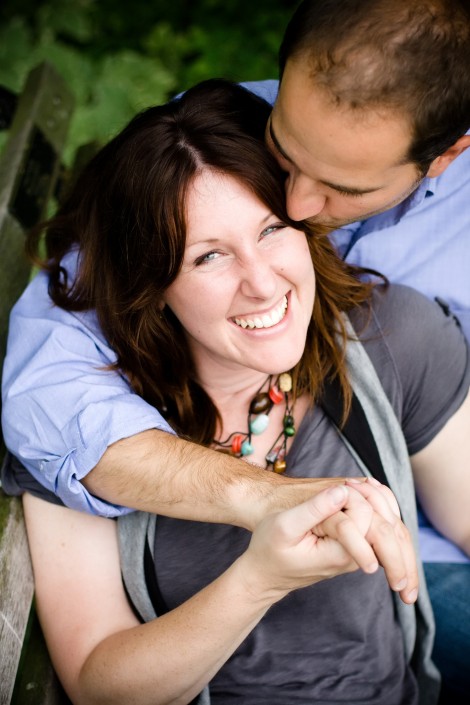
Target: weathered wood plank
[[16, 591], [29, 167], [36, 683]]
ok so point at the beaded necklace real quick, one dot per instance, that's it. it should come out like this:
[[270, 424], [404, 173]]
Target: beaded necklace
[[239, 443]]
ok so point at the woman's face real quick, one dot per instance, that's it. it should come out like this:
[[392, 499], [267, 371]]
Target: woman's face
[[246, 289]]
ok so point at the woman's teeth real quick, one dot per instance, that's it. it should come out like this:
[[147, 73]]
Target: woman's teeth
[[267, 320]]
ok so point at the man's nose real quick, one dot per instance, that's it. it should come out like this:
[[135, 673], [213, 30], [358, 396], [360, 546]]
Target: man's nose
[[303, 198]]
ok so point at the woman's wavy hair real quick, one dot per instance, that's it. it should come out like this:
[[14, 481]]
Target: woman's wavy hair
[[126, 215]]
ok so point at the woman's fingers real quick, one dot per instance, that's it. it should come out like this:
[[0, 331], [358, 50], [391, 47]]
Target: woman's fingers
[[285, 553], [343, 529], [336, 531], [375, 515], [299, 520], [330, 515]]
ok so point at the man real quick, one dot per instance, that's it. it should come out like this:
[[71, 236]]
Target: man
[[376, 150], [370, 126]]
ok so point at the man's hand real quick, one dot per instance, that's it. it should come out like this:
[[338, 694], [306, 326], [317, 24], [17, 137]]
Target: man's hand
[[390, 539]]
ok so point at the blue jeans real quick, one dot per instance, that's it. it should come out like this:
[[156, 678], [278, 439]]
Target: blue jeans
[[449, 590]]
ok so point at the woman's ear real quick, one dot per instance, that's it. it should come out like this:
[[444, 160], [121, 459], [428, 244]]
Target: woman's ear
[[440, 163]]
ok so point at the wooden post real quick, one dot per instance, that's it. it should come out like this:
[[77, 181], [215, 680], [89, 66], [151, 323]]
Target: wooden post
[[29, 167]]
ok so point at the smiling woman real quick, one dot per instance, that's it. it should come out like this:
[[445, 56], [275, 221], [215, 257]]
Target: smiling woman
[[174, 260], [251, 296]]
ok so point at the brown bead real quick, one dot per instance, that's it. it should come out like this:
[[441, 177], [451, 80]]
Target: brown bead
[[260, 403], [279, 466]]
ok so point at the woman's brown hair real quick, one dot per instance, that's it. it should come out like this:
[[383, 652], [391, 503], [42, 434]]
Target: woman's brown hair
[[126, 218]]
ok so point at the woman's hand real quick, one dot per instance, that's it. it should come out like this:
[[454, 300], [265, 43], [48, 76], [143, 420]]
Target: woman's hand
[[291, 549], [337, 531]]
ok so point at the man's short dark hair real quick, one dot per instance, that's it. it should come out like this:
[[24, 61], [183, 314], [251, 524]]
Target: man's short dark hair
[[411, 56]]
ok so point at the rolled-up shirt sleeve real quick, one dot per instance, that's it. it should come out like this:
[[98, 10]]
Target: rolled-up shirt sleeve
[[61, 406]]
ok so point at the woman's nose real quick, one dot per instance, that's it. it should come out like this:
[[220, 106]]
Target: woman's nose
[[258, 278]]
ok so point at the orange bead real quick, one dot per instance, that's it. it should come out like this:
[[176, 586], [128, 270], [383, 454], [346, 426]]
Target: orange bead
[[275, 395], [237, 444]]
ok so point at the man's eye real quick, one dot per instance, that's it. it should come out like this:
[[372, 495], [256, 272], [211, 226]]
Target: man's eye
[[350, 194]]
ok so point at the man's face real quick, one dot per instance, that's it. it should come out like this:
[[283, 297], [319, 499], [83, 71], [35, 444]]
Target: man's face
[[342, 165]]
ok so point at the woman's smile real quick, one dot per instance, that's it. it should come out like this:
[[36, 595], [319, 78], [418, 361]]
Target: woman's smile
[[264, 320]]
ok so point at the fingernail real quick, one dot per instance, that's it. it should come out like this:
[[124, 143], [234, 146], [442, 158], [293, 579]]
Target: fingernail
[[373, 481], [401, 585], [411, 597], [372, 567], [338, 493], [354, 480]]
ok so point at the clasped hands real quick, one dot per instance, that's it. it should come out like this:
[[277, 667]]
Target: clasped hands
[[346, 527]]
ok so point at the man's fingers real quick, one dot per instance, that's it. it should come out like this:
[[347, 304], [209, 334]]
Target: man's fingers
[[379, 496], [394, 549], [390, 539]]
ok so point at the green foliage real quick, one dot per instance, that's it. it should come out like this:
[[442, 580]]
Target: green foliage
[[119, 56]]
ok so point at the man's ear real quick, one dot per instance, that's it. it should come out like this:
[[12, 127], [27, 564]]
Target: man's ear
[[440, 163]]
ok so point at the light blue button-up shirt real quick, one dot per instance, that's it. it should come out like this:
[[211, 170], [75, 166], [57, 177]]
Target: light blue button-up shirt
[[61, 409]]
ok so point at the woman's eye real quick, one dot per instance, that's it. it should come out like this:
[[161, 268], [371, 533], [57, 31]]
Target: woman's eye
[[208, 257], [272, 228]]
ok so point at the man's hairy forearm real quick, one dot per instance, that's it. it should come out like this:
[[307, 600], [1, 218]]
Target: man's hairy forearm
[[158, 472]]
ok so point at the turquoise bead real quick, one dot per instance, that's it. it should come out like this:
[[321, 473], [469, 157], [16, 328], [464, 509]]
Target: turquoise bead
[[259, 424], [247, 448]]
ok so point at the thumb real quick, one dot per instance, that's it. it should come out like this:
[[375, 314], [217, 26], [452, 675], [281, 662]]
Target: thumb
[[297, 521]]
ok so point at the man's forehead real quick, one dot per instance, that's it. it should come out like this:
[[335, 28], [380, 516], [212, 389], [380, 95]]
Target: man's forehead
[[310, 133], [352, 188]]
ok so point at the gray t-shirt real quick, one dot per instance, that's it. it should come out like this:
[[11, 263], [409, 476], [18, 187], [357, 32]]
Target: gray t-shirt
[[337, 641]]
